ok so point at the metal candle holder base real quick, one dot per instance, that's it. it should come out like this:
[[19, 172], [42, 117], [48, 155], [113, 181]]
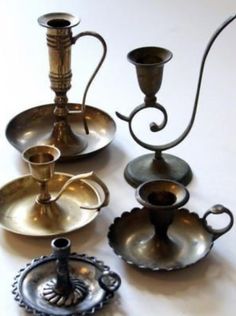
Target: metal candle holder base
[[149, 63]]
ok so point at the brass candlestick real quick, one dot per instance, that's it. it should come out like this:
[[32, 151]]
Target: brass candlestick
[[149, 63], [59, 41], [48, 203], [78, 130]]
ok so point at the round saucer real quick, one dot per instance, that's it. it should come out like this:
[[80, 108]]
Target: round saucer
[[132, 238], [34, 126], [20, 214], [101, 283]]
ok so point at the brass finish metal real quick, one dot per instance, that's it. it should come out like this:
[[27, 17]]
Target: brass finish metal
[[33, 127], [160, 236], [149, 63], [64, 283], [72, 141], [49, 203]]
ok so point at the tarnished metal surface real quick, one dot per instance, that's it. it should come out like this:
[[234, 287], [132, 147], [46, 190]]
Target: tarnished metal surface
[[149, 63], [161, 236], [30, 282], [83, 138], [34, 126], [132, 238]]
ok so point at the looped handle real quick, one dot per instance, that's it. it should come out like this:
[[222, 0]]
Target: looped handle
[[109, 281], [74, 40], [218, 209], [101, 189]]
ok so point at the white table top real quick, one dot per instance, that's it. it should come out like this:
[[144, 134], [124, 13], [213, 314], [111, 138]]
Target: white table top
[[184, 27]]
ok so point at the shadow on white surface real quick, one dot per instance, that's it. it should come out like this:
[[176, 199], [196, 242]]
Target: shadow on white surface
[[183, 288]]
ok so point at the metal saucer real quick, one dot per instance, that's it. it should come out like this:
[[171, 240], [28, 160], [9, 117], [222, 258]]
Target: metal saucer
[[64, 285], [18, 213], [34, 126], [132, 237]]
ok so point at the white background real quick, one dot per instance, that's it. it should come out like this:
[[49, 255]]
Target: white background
[[184, 27]]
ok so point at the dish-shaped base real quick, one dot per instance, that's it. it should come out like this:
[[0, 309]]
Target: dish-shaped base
[[146, 168], [132, 238], [20, 214], [30, 282], [34, 127]]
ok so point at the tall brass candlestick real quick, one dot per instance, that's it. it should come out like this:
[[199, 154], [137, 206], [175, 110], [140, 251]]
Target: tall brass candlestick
[[59, 42]]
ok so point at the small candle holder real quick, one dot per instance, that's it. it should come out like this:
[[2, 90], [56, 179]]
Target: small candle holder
[[149, 63], [47, 203], [162, 235], [64, 283]]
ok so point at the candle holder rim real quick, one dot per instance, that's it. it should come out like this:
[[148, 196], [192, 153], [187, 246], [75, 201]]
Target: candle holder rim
[[55, 241], [56, 155], [45, 18], [178, 203], [169, 56]]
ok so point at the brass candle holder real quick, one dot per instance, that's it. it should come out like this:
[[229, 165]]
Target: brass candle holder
[[149, 63], [46, 203], [76, 129]]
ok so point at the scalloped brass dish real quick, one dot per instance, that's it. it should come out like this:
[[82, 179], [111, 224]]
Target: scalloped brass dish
[[132, 238], [161, 235]]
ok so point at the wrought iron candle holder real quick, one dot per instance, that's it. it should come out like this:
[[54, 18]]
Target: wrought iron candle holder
[[47, 203], [162, 235], [76, 129], [64, 283], [149, 63]]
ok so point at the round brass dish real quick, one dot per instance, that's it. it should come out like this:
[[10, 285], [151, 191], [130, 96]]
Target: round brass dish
[[34, 126], [19, 213], [133, 238]]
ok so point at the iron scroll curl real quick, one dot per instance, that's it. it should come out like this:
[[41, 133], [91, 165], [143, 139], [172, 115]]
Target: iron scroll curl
[[153, 126]]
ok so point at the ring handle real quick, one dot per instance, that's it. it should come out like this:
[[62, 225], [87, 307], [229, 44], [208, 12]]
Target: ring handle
[[109, 281], [101, 39], [218, 209]]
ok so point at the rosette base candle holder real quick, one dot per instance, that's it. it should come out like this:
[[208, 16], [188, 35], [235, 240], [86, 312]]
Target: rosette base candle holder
[[64, 283]]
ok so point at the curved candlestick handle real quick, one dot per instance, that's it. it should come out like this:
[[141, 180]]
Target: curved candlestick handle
[[89, 175], [154, 127], [109, 281], [74, 40], [218, 209]]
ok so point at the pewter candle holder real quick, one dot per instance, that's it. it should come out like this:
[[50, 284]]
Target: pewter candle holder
[[149, 63]]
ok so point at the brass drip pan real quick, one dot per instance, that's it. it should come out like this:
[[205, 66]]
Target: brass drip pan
[[20, 214], [34, 126]]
